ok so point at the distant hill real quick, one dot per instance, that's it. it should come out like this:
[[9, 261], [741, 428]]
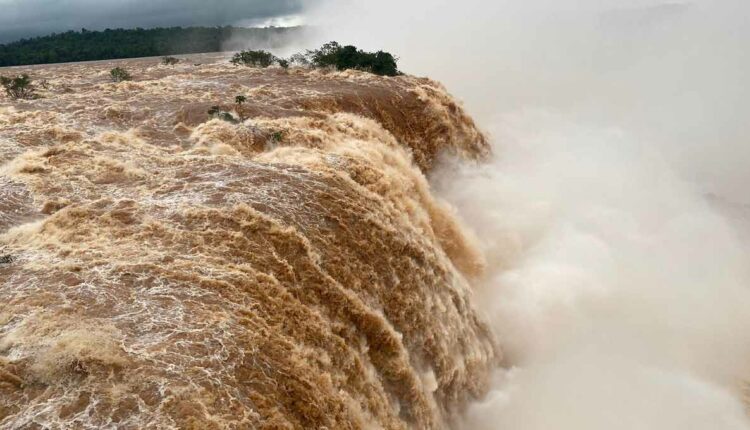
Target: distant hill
[[109, 44]]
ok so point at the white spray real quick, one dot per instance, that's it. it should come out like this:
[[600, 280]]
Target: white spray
[[619, 294]]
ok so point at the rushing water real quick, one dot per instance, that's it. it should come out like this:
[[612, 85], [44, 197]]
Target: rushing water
[[159, 269], [293, 271]]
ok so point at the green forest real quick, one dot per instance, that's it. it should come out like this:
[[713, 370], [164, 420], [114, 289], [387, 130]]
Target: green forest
[[110, 44]]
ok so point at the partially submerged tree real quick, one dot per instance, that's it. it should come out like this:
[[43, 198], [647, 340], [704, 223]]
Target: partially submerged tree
[[169, 61], [300, 60], [240, 100], [118, 74], [261, 59], [19, 87]]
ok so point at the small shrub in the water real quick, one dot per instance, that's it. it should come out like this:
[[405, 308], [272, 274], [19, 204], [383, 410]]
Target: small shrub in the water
[[284, 64], [240, 100], [216, 112], [118, 74], [169, 61], [6, 259], [226, 116], [19, 87], [277, 137], [261, 59]]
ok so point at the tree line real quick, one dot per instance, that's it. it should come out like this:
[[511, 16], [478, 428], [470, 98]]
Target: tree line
[[85, 45]]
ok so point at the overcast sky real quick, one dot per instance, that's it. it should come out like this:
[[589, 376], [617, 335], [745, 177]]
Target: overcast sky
[[24, 18]]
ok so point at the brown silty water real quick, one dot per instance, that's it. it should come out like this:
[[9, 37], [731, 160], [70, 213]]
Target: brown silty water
[[168, 270]]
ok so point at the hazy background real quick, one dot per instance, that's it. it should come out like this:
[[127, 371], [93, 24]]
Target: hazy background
[[27, 18], [673, 72], [618, 288]]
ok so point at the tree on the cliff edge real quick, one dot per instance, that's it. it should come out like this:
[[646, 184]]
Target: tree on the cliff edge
[[349, 57]]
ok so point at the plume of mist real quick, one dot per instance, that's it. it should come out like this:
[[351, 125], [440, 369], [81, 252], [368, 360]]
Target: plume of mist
[[619, 296], [282, 41], [617, 291], [674, 73]]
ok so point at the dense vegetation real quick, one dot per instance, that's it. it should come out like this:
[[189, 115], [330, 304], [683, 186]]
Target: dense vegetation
[[113, 44], [330, 55], [349, 57]]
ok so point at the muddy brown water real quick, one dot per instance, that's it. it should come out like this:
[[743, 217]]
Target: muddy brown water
[[170, 270]]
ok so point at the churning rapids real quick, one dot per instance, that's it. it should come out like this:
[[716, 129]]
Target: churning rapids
[[167, 270]]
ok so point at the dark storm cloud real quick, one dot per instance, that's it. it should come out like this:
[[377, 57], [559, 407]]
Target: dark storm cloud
[[24, 18]]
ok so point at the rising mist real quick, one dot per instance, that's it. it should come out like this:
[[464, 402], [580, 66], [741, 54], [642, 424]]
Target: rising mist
[[618, 292]]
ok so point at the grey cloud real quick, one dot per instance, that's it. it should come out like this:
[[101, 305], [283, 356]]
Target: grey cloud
[[25, 18]]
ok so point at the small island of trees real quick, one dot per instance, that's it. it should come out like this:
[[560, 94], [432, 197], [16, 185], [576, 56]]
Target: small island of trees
[[331, 55]]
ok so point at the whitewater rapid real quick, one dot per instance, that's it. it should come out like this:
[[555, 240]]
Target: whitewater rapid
[[170, 270]]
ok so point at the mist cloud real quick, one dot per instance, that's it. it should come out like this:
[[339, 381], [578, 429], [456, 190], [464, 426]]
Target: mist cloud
[[673, 72], [26, 18], [618, 293]]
